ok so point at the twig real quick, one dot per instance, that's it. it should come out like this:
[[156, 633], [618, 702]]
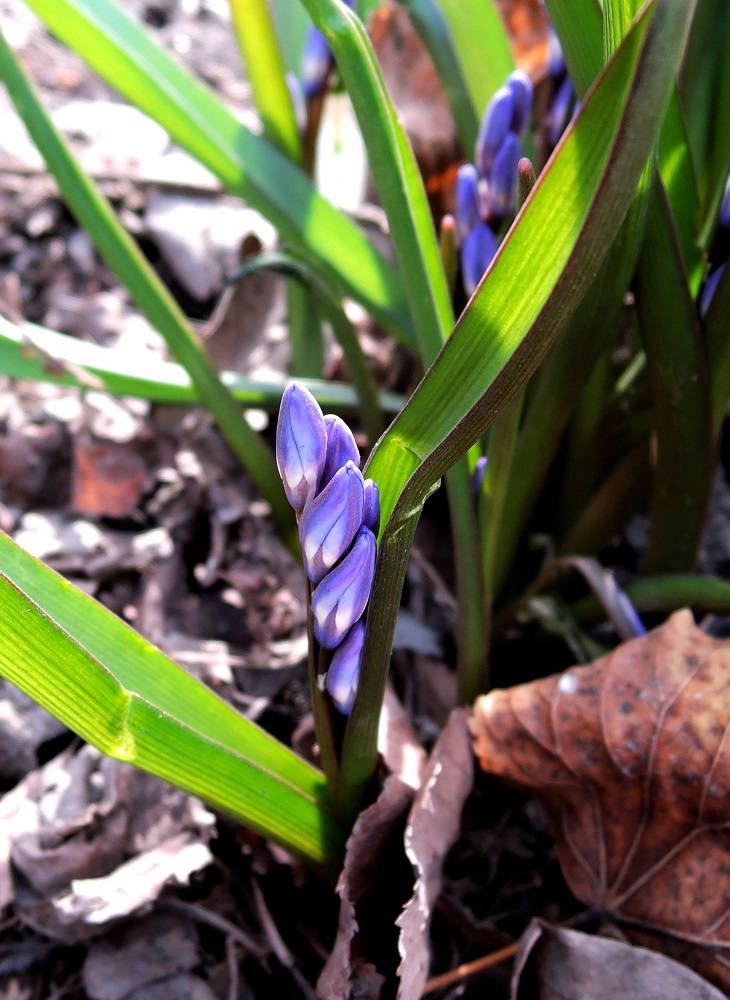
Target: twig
[[462, 972], [203, 916], [278, 945]]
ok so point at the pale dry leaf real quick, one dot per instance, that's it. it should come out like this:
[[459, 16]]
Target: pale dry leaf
[[433, 825], [398, 743], [135, 884], [631, 757], [570, 965]]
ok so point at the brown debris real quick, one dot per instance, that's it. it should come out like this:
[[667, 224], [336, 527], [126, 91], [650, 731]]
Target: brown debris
[[631, 758], [347, 972], [570, 965], [94, 840], [433, 825]]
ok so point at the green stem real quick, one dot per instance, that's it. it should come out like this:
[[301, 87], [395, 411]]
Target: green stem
[[472, 638]]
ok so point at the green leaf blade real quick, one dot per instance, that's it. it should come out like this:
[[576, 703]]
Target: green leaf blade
[[125, 697]]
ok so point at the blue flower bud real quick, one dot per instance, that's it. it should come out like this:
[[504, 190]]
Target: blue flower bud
[[467, 204], [496, 123], [301, 444], [560, 110], [502, 189], [477, 251], [520, 86], [478, 477], [341, 448], [341, 597], [709, 290], [331, 521], [344, 671], [725, 207], [371, 507], [316, 63]]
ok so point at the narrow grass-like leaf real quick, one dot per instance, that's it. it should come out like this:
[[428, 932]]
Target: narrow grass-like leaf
[[482, 47], [124, 257], [395, 171], [539, 275], [430, 22], [705, 88], [41, 355], [124, 55], [264, 63], [558, 386], [579, 26], [118, 692], [683, 455]]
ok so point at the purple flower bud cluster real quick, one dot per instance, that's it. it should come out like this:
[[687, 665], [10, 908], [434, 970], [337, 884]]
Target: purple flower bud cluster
[[719, 252], [486, 191], [339, 514]]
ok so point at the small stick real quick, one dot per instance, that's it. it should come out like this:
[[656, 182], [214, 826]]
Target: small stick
[[462, 972]]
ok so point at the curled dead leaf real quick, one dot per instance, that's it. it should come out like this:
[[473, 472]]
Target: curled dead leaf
[[569, 965], [631, 757]]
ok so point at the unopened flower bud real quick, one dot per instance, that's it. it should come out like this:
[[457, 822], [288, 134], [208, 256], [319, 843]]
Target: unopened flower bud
[[520, 85], [331, 521], [344, 671], [371, 507], [502, 190], [340, 599], [477, 252], [478, 477], [301, 444], [467, 208], [496, 123], [316, 63], [709, 290], [341, 448]]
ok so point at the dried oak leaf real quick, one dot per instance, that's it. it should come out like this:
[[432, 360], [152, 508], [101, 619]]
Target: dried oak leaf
[[631, 757]]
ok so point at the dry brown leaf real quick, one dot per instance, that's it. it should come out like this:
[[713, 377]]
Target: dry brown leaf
[[570, 965], [631, 758], [433, 825], [95, 839], [347, 973]]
